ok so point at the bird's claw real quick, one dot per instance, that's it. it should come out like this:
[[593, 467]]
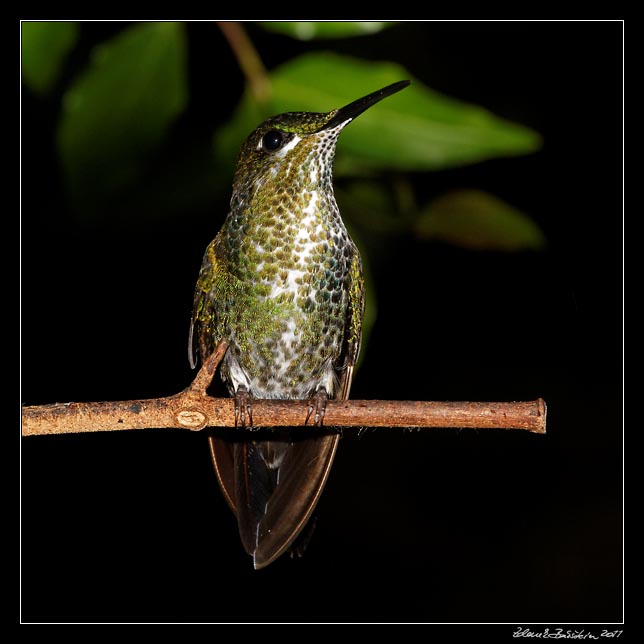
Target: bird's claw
[[243, 408], [317, 403]]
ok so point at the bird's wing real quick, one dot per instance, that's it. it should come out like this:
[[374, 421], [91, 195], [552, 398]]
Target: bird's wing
[[353, 328], [202, 341]]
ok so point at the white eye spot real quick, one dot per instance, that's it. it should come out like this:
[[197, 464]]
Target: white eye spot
[[289, 146]]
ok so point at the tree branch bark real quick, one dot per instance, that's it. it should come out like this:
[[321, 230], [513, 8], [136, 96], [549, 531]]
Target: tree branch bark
[[193, 409]]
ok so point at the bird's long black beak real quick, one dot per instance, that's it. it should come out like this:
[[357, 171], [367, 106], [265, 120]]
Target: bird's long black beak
[[352, 110]]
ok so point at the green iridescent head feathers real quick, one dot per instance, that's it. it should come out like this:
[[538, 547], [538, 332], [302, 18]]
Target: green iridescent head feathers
[[293, 136]]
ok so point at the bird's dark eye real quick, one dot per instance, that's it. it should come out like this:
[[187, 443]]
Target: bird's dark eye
[[272, 140]]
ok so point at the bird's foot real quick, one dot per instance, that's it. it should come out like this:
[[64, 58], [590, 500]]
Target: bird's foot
[[317, 403], [243, 408]]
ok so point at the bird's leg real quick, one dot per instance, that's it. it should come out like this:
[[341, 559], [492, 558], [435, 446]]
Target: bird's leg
[[318, 403], [243, 406]]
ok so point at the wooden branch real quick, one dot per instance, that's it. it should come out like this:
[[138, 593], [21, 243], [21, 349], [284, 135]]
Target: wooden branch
[[248, 59], [194, 409]]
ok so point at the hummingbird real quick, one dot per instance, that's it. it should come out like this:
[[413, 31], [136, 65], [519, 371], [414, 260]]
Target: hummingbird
[[282, 284]]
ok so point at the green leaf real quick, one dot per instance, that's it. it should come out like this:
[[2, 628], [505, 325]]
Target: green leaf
[[479, 221], [309, 30], [416, 129], [45, 45], [118, 110]]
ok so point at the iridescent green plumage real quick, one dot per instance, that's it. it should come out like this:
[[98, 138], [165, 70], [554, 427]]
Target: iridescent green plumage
[[282, 284]]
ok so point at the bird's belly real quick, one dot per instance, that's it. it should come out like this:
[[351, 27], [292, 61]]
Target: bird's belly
[[292, 363]]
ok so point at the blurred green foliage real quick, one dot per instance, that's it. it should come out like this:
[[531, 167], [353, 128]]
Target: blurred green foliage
[[479, 221], [417, 129], [45, 46], [116, 112], [308, 30]]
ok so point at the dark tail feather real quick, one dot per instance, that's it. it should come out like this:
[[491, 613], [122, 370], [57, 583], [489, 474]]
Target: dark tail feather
[[276, 487], [255, 482]]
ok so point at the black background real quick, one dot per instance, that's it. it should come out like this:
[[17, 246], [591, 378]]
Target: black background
[[433, 526]]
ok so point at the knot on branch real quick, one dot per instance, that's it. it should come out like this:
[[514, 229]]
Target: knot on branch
[[194, 419]]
